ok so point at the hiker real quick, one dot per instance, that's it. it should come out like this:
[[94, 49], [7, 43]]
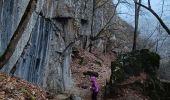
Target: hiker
[[94, 87]]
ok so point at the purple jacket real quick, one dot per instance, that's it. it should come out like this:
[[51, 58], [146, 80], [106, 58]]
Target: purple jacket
[[94, 85]]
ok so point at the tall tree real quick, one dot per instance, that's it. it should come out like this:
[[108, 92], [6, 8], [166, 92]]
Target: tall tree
[[92, 20], [137, 10]]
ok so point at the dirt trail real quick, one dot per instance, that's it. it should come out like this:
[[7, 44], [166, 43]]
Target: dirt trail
[[85, 61]]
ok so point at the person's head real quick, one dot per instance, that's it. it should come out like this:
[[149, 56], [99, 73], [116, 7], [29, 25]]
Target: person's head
[[93, 79]]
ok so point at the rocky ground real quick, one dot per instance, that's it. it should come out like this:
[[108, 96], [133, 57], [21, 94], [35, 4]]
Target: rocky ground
[[127, 92]]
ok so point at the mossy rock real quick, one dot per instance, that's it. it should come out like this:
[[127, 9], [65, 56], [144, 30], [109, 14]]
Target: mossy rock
[[134, 63], [150, 61], [117, 72], [81, 61], [139, 61]]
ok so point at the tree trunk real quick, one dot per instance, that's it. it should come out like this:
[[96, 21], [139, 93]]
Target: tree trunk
[[92, 20], [137, 10]]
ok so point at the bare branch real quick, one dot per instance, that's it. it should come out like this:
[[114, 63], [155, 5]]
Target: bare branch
[[125, 14], [163, 41], [157, 17], [162, 8], [125, 2], [150, 35], [101, 4], [71, 44], [106, 25], [149, 4]]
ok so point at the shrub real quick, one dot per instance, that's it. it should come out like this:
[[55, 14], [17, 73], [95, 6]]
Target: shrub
[[117, 72]]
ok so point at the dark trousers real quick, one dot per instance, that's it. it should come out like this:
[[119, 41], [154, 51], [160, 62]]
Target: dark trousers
[[94, 96]]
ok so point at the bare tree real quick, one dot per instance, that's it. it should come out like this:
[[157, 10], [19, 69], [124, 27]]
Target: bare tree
[[92, 20], [155, 14], [96, 36], [137, 10]]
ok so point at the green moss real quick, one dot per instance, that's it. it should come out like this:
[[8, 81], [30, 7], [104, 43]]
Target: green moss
[[139, 61], [24, 90], [150, 61], [33, 97], [117, 72], [28, 95], [81, 61], [134, 63]]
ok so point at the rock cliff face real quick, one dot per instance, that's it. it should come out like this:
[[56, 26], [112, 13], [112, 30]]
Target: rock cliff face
[[38, 35]]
